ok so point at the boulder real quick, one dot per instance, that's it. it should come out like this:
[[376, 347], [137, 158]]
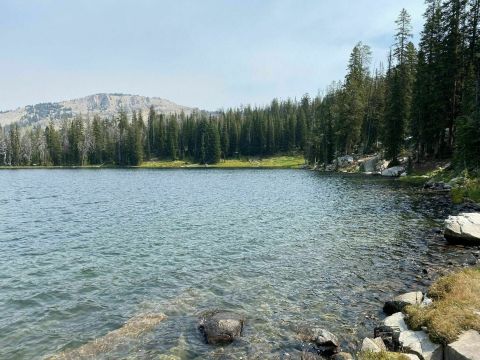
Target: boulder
[[381, 165], [418, 343], [373, 345], [396, 322], [437, 186], [345, 160], [464, 228], [325, 342], [369, 165], [389, 337], [399, 302], [395, 171], [220, 327], [467, 347]]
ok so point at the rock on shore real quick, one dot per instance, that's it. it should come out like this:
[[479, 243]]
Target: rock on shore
[[399, 302], [464, 228], [467, 347]]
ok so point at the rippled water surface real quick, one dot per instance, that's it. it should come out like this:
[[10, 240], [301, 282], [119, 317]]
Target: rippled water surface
[[84, 251]]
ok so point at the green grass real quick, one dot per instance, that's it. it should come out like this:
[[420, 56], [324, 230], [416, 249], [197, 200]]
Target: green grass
[[470, 189], [383, 355], [276, 162], [456, 301]]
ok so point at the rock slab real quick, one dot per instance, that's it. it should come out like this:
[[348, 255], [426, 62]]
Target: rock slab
[[396, 322], [464, 228], [467, 347], [399, 302], [418, 343], [374, 345], [220, 327]]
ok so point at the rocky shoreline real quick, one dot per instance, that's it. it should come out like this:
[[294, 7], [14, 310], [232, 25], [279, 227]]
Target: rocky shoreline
[[391, 338]]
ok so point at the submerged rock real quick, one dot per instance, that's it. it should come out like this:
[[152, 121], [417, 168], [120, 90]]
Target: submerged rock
[[399, 302], [325, 342], [467, 347], [220, 327], [464, 228]]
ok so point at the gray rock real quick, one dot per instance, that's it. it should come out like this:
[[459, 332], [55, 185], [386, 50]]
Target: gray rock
[[393, 171], [418, 343], [426, 302], [437, 186], [399, 302], [464, 228], [220, 327], [325, 342], [345, 160], [389, 336], [373, 345], [396, 322], [467, 347], [369, 165]]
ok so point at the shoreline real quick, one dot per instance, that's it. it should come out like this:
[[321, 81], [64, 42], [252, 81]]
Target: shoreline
[[274, 162]]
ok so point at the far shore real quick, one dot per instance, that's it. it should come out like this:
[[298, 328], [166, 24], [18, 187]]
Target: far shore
[[277, 162]]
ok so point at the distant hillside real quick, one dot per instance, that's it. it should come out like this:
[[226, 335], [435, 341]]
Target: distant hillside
[[105, 105]]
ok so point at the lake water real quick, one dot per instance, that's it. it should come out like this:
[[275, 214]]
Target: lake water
[[84, 251]]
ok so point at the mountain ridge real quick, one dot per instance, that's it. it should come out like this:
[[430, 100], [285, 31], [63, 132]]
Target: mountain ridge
[[102, 104]]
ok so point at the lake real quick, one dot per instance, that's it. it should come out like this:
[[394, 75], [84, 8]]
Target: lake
[[84, 251]]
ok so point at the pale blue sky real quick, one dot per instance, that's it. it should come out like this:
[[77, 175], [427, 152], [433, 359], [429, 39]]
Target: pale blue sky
[[206, 53]]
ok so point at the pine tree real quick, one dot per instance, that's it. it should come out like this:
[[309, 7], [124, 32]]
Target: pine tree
[[172, 139], [399, 83], [212, 144]]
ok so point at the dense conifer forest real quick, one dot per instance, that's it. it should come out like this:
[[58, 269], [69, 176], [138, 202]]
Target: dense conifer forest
[[422, 103]]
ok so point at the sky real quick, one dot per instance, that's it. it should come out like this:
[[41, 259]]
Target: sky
[[209, 54]]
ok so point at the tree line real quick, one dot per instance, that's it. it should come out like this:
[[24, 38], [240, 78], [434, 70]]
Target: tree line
[[422, 103]]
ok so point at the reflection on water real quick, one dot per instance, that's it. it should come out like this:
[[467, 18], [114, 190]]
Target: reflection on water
[[85, 251]]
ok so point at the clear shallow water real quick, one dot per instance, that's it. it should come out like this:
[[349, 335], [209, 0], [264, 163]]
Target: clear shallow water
[[83, 251]]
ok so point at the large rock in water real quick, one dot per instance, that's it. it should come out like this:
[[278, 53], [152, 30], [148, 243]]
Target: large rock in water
[[393, 171], [467, 347], [464, 228], [325, 342], [399, 302], [220, 327]]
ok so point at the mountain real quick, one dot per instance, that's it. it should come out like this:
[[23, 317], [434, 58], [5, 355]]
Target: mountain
[[104, 105]]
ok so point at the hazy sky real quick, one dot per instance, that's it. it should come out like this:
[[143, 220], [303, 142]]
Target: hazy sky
[[204, 53]]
